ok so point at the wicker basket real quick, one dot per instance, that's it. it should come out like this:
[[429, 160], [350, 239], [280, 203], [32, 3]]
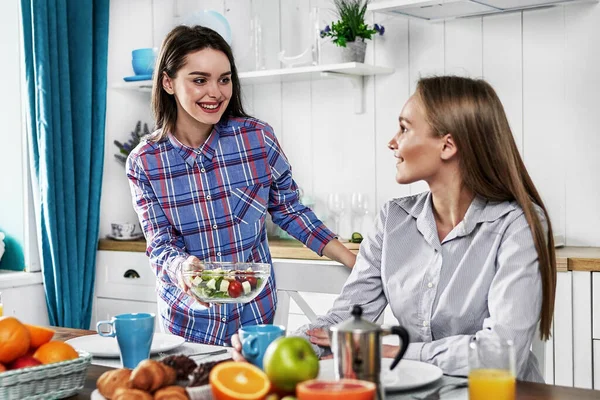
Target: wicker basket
[[51, 381]]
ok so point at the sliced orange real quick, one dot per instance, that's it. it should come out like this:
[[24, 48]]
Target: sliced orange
[[55, 351], [39, 335], [232, 380], [346, 389]]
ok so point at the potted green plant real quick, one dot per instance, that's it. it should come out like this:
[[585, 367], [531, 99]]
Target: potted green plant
[[351, 30], [135, 138]]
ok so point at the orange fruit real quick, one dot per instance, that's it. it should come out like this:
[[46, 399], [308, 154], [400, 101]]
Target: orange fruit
[[55, 351], [39, 335], [232, 380], [2, 368], [346, 389], [14, 339]]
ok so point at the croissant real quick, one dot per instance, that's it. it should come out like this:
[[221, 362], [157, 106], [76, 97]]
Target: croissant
[[131, 394], [171, 393], [112, 380], [149, 375]]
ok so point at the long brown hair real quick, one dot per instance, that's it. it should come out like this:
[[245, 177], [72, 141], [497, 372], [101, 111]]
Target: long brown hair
[[490, 162], [180, 42]]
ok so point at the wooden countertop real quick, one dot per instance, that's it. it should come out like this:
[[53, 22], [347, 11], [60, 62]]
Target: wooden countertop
[[567, 258]]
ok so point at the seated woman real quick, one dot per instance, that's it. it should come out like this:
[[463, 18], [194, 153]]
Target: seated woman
[[474, 256]]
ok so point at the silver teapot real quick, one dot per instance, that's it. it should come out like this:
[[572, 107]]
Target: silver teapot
[[356, 348]]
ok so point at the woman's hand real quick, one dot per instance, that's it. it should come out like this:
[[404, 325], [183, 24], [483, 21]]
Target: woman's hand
[[236, 354], [390, 351], [319, 336], [192, 263]]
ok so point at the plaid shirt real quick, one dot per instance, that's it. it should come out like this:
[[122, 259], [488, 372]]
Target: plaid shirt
[[212, 202]]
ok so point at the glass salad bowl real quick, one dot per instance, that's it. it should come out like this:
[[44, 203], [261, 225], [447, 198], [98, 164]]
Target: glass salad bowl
[[227, 282]]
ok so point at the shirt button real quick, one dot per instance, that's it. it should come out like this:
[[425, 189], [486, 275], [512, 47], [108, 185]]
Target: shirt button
[[219, 253], [202, 170], [425, 324], [430, 285], [215, 226], [208, 197], [224, 319]]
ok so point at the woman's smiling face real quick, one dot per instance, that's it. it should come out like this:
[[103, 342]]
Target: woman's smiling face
[[416, 147], [203, 86]]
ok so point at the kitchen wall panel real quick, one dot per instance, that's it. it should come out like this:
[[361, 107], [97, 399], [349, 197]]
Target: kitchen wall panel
[[503, 66], [543, 107], [541, 62], [391, 92], [582, 142]]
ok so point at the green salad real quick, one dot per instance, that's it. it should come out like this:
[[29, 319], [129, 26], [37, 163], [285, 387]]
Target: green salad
[[225, 284]]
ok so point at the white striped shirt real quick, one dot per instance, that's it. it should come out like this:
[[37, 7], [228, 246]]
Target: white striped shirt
[[483, 279]]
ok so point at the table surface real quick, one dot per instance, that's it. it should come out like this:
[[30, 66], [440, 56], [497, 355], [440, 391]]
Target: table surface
[[525, 390]]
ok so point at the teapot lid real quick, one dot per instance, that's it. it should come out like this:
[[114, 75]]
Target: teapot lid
[[356, 324]]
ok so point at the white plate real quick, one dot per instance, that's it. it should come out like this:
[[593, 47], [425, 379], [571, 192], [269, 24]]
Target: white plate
[[108, 347], [195, 393], [408, 374]]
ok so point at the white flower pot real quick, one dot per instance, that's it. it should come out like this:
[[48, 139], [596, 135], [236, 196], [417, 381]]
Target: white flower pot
[[354, 51]]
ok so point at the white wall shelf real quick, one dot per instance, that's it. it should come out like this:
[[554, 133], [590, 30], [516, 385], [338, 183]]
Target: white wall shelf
[[353, 71], [439, 10]]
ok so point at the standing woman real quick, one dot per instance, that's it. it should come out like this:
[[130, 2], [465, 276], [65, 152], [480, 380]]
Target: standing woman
[[203, 182], [471, 258]]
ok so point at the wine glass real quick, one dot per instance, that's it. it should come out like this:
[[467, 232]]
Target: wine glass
[[335, 203], [359, 206]]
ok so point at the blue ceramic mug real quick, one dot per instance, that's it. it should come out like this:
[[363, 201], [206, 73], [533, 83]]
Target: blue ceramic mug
[[255, 340], [134, 334]]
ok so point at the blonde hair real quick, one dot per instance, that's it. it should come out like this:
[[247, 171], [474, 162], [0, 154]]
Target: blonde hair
[[490, 162]]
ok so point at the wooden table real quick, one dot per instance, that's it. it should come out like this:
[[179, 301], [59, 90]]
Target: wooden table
[[525, 390]]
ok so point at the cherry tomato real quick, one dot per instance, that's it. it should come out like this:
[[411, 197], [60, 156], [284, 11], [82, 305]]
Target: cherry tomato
[[252, 281], [235, 289]]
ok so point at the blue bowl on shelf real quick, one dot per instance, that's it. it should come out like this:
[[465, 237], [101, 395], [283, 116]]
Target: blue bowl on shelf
[[148, 52], [143, 66]]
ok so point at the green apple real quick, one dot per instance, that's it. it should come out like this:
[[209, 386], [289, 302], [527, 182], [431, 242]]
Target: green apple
[[289, 361]]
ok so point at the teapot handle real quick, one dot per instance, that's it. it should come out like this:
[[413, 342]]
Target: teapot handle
[[400, 331]]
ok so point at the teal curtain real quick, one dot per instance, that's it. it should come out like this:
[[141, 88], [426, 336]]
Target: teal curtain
[[65, 58]]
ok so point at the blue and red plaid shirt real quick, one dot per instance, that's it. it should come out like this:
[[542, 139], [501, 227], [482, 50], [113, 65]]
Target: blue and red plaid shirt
[[212, 203]]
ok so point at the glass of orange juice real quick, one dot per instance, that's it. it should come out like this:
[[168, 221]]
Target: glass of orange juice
[[492, 372]]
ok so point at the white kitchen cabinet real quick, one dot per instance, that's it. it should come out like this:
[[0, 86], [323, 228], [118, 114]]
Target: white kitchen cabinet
[[125, 283]]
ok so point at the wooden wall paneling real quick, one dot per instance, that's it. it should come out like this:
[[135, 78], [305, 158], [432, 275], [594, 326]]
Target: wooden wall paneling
[[391, 92], [596, 346], [502, 66], [295, 134], [582, 329], [543, 107], [596, 305], [129, 28], [563, 331], [426, 57], [163, 20], [548, 363], [242, 33], [343, 153], [463, 47], [581, 139]]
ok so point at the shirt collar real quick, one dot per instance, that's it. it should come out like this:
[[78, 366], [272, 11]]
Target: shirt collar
[[189, 154], [480, 210]]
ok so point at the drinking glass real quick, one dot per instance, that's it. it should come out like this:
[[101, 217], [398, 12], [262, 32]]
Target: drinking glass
[[491, 369], [335, 203], [359, 205]]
